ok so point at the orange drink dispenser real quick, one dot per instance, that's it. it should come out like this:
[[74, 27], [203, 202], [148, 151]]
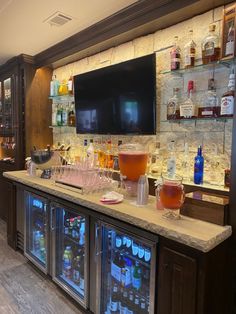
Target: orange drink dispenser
[[133, 160]]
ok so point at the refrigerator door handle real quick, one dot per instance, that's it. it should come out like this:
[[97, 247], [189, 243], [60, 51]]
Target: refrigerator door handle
[[97, 240], [52, 214]]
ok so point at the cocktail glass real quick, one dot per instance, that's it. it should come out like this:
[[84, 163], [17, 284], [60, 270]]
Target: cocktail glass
[[171, 195]]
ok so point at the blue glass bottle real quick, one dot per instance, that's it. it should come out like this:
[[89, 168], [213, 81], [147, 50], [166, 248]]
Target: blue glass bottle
[[198, 167]]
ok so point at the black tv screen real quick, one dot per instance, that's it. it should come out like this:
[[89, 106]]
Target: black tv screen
[[118, 99]]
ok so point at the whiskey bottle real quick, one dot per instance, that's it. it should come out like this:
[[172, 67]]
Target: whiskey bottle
[[229, 45], [70, 84], [171, 161], [59, 115], [227, 100], [71, 116], [189, 52], [185, 163], [173, 105], [188, 109], [175, 55], [156, 162], [211, 46], [210, 107]]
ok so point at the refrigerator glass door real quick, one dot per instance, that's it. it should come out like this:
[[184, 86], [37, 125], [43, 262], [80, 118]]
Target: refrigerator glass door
[[127, 273], [36, 230], [70, 252]]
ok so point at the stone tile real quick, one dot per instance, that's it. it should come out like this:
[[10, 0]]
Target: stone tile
[[143, 45], [210, 125], [122, 53], [218, 13]]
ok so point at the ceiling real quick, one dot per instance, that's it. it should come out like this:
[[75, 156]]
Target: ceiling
[[24, 28]]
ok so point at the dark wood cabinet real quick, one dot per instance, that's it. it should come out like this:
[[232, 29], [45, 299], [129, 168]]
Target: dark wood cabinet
[[193, 282], [177, 283], [25, 117]]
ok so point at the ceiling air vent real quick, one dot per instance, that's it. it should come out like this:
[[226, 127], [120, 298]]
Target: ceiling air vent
[[58, 19]]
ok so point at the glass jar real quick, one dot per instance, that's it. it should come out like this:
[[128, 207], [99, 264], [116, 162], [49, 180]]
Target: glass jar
[[170, 194]]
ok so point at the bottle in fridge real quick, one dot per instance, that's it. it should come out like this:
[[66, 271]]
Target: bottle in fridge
[[127, 273]]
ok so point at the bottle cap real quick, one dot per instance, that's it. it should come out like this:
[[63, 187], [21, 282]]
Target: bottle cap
[[176, 90], [212, 27], [211, 84], [190, 85]]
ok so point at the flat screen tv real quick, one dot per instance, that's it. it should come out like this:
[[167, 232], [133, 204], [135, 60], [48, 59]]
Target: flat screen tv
[[118, 99]]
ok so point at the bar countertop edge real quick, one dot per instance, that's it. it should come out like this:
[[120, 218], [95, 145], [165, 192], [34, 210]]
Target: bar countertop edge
[[194, 233]]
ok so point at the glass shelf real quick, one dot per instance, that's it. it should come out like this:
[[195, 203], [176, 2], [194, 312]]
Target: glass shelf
[[224, 119], [62, 98], [61, 126], [202, 67]]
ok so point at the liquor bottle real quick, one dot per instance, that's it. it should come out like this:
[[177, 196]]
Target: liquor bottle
[[64, 115], [137, 277], [198, 167], [115, 156], [211, 46], [156, 162], [90, 153], [109, 155], [230, 45], [189, 52], [70, 85], [63, 88], [173, 105], [185, 163], [188, 109], [210, 107], [71, 115], [59, 115], [84, 151], [54, 86], [227, 100], [175, 55], [171, 161]]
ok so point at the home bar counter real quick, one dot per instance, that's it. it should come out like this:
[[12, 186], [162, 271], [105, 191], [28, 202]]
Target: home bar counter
[[189, 266]]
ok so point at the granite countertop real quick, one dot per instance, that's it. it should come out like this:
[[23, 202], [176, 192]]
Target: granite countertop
[[195, 233]]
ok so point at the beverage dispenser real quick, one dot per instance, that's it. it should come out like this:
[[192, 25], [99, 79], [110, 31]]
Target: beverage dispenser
[[133, 163]]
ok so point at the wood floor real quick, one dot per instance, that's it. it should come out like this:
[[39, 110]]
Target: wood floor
[[23, 289]]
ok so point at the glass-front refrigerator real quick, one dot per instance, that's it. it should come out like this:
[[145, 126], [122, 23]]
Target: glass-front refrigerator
[[70, 251], [36, 230], [127, 271]]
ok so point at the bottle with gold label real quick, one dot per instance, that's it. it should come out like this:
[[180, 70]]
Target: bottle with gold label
[[211, 46], [189, 52]]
